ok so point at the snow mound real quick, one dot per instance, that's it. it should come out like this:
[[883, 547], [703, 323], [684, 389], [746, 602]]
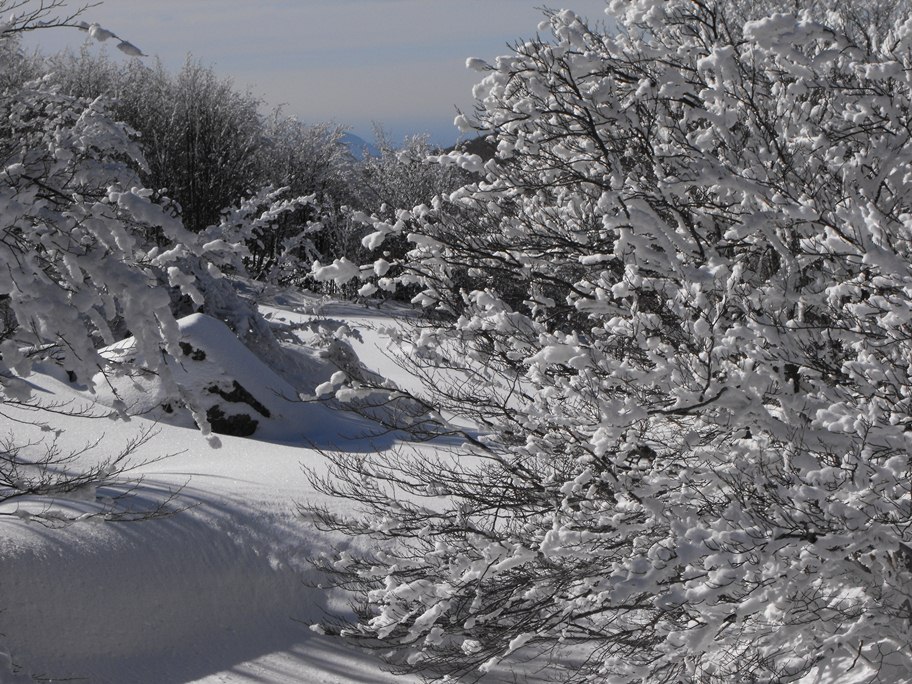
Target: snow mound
[[239, 393]]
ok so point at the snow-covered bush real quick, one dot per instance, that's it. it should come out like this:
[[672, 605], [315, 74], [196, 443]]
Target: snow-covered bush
[[199, 133], [399, 177], [677, 308], [405, 176], [85, 255], [74, 227], [254, 238], [310, 161]]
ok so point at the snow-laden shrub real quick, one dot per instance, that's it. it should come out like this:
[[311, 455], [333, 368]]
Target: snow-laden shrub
[[200, 135], [74, 242], [85, 254], [677, 308]]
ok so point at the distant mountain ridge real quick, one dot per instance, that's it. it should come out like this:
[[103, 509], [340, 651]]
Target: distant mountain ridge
[[359, 147]]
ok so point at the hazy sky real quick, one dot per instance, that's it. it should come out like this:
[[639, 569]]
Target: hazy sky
[[397, 62]]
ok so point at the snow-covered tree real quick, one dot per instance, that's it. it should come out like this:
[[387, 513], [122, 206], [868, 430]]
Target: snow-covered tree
[[403, 176], [199, 134], [399, 177], [310, 160], [86, 256], [75, 221], [676, 316]]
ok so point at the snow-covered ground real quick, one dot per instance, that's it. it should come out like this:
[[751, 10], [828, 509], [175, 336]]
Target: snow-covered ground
[[218, 592]]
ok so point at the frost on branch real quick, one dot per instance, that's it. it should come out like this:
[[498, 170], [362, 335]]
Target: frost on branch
[[677, 308]]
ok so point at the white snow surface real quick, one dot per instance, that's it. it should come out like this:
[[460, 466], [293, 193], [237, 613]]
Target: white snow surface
[[218, 592]]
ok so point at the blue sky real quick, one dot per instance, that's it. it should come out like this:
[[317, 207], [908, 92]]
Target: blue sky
[[400, 63]]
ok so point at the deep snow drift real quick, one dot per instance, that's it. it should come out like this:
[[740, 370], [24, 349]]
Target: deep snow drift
[[221, 591]]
